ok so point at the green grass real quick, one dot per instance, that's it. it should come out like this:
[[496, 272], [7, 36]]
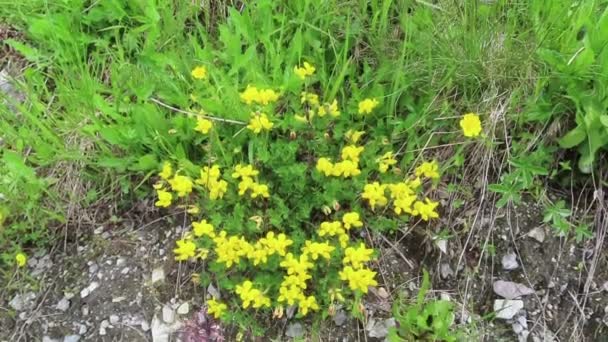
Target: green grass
[[95, 67]]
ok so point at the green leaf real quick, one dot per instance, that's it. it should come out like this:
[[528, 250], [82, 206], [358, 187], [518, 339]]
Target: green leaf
[[573, 138]]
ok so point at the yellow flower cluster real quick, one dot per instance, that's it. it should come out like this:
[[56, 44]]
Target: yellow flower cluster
[[471, 125], [186, 249], [348, 167], [403, 195], [203, 228], [304, 71], [294, 283], [230, 249], [428, 169], [246, 173], [316, 108], [216, 308], [200, 73], [360, 279], [210, 179], [268, 246], [340, 228], [182, 185], [252, 296], [387, 160], [354, 272], [263, 97], [203, 125], [20, 259], [259, 122], [367, 106]]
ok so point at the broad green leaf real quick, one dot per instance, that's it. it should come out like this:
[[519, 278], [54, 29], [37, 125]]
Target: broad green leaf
[[573, 138]]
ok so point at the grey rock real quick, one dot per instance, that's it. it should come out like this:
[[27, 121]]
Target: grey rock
[[160, 331], [537, 234], [22, 302], [507, 309], [89, 289], [380, 328], [294, 330], [114, 319], [145, 326], [183, 309], [63, 304], [445, 270], [103, 326], [158, 275], [82, 329], [168, 314], [511, 290], [71, 338], [93, 268], [509, 261], [340, 317], [213, 292], [605, 286], [48, 339]]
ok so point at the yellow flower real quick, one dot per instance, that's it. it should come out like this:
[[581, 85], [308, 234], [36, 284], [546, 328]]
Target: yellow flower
[[267, 96], [250, 295], [203, 125], [203, 228], [325, 166], [229, 250], [374, 194], [185, 249], [296, 266], [357, 256], [428, 170], [346, 168], [217, 189], [343, 238], [316, 249], [21, 259], [387, 160], [259, 96], [303, 72], [164, 198], [331, 228], [351, 152], [307, 303], [167, 171], [209, 175], [181, 184], [242, 171], [245, 184], [426, 209], [352, 219], [200, 72], [358, 280], [216, 308], [471, 125], [329, 108], [354, 136], [259, 190], [336, 295], [193, 209], [311, 98], [289, 293], [259, 254], [367, 106], [276, 244], [259, 122]]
